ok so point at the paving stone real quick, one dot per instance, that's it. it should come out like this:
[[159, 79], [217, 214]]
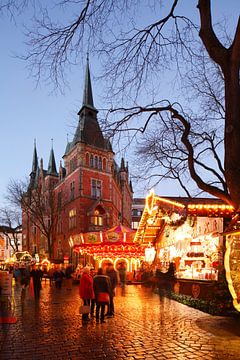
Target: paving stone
[[143, 328]]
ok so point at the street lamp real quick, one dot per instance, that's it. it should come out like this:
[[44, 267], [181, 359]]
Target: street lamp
[[71, 246]]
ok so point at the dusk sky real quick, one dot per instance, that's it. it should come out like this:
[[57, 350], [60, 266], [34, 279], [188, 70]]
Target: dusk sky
[[29, 113]]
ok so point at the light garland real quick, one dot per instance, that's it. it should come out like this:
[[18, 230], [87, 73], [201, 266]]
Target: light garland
[[235, 296]]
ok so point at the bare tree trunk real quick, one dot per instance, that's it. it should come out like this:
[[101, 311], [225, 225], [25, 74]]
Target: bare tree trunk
[[229, 61]]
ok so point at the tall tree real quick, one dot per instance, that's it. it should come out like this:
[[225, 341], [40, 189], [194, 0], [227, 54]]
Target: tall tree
[[10, 226], [39, 205], [135, 58]]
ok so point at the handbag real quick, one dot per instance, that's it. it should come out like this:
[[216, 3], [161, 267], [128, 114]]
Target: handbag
[[103, 297], [84, 309]]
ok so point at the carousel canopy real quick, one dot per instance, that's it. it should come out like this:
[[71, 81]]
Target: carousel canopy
[[117, 235]]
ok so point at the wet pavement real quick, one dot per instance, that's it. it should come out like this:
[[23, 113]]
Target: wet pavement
[[144, 327]]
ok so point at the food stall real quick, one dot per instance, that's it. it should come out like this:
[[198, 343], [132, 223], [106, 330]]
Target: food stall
[[190, 237]]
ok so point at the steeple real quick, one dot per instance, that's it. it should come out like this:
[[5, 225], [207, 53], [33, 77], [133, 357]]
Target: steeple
[[87, 93], [34, 171], [88, 130], [122, 167], [35, 159], [52, 169]]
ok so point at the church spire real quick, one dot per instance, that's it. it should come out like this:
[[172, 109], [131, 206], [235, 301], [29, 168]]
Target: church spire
[[88, 130], [87, 93], [35, 159], [52, 169], [34, 171]]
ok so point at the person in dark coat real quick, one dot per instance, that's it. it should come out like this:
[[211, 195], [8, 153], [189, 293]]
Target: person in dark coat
[[58, 276], [36, 275], [113, 275], [101, 284]]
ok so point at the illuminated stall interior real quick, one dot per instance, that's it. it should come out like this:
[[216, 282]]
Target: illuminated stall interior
[[187, 234]]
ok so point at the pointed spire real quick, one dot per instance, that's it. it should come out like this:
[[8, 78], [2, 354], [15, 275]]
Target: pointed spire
[[35, 159], [122, 167], [88, 130], [52, 169], [87, 93], [130, 185]]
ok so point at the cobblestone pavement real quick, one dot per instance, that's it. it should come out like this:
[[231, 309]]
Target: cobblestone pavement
[[144, 327]]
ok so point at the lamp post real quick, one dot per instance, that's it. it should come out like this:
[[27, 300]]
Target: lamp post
[[71, 246]]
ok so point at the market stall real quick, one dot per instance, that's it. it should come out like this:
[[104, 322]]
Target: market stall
[[190, 236]]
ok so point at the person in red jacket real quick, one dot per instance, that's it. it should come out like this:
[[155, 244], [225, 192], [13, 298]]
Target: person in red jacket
[[86, 289]]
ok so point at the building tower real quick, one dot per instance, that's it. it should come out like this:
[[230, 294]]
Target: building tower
[[92, 192]]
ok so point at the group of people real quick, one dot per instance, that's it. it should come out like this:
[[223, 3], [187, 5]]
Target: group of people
[[30, 276], [98, 291]]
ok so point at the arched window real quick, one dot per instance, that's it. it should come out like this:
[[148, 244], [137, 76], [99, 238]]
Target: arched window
[[91, 161], [97, 216], [100, 163], [104, 164], [96, 161]]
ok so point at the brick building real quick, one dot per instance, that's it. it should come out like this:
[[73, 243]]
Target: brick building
[[91, 192]]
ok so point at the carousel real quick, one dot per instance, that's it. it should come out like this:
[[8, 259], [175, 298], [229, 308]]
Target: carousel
[[116, 245]]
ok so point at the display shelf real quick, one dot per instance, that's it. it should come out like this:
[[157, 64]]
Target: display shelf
[[194, 258]]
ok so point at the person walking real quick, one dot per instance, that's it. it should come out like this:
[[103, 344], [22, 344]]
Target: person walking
[[36, 275], [102, 291], [122, 275], [113, 275], [58, 276], [86, 290], [68, 274], [93, 301]]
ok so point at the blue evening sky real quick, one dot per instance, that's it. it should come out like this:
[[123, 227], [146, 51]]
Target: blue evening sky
[[27, 112]]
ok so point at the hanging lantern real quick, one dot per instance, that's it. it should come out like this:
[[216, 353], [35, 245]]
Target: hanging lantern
[[150, 253], [232, 267]]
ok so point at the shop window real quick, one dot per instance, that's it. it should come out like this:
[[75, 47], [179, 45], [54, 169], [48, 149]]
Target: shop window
[[96, 188]]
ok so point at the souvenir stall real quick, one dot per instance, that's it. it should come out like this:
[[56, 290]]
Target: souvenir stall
[[115, 245], [190, 237]]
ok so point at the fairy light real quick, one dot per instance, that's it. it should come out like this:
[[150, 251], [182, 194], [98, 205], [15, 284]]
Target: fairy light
[[229, 241]]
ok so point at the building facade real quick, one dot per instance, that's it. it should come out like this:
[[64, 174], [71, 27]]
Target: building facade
[[90, 191]]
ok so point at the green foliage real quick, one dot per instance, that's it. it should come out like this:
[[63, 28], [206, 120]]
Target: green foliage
[[220, 302]]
